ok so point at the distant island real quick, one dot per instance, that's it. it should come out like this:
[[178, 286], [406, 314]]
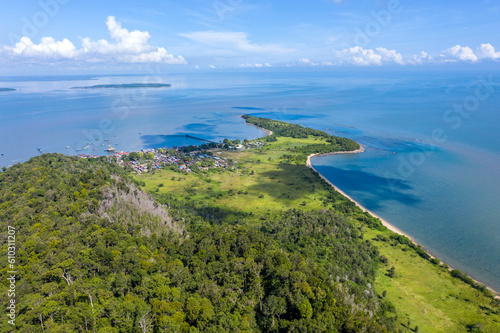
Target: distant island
[[7, 89], [125, 86]]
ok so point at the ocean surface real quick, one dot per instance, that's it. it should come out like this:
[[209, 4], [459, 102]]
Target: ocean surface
[[432, 138]]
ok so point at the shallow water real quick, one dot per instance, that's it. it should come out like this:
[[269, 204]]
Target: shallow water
[[431, 172]]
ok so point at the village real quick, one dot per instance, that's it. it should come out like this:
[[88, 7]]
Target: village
[[186, 159]]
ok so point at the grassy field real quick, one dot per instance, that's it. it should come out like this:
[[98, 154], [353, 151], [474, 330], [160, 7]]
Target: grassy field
[[425, 294]]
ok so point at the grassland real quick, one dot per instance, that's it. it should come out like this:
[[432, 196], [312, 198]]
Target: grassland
[[425, 294]]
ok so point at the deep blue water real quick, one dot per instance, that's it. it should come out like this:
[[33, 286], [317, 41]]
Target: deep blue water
[[431, 166]]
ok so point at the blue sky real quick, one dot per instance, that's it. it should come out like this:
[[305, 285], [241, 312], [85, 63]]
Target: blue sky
[[82, 36]]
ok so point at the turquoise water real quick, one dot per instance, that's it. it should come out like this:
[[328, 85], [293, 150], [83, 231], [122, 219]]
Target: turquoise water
[[431, 171]]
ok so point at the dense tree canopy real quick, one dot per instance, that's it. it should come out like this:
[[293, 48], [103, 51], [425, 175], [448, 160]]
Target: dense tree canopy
[[95, 253]]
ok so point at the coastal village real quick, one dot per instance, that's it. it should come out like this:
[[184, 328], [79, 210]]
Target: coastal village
[[186, 159]]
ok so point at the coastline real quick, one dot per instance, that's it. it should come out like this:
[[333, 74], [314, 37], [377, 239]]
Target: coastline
[[357, 151], [384, 222], [268, 132]]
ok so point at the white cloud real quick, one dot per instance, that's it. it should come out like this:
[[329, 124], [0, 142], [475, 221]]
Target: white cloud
[[422, 58], [127, 47], [366, 57], [248, 65], [236, 42], [390, 55], [48, 48], [457, 52], [487, 51], [305, 61]]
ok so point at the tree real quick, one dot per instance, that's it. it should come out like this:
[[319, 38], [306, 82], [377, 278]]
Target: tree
[[145, 322], [274, 307], [392, 272], [305, 309]]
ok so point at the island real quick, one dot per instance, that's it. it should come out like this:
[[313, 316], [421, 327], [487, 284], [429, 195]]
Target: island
[[125, 86], [7, 89], [233, 236]]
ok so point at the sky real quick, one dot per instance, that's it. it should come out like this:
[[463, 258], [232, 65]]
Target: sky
[[70, 36]]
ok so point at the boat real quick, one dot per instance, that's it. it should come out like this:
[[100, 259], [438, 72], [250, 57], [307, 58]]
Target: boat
[[68, 147], [110, 150]]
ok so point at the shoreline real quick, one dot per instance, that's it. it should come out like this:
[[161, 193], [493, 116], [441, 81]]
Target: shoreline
[[357, 151], [266, 131], [386, 224]]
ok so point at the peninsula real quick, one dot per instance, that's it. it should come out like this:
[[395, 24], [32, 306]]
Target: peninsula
[[235, 236]]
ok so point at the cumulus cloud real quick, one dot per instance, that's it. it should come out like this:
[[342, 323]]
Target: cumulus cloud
[[126, 47], [487, 51], [248, 65], [305, 61], [390, 55], [234, 42], [366, 57], [48, 48], [422, 58], [457, 52]]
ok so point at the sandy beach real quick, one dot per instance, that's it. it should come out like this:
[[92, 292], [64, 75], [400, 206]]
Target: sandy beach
[[268, 132], [384, 222], [357, 151]]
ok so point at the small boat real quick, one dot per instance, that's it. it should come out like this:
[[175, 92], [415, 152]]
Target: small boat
[[68, 147], [110, 150], [86, 147]]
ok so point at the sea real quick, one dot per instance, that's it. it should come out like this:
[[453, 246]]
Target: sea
[[431, 165]]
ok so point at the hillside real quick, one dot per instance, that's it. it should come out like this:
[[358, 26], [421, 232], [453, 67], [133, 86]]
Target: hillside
[[263, 246], [95, 253]]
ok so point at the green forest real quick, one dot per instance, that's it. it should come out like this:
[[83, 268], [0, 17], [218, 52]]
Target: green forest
[[97, 254], [100, 249]]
